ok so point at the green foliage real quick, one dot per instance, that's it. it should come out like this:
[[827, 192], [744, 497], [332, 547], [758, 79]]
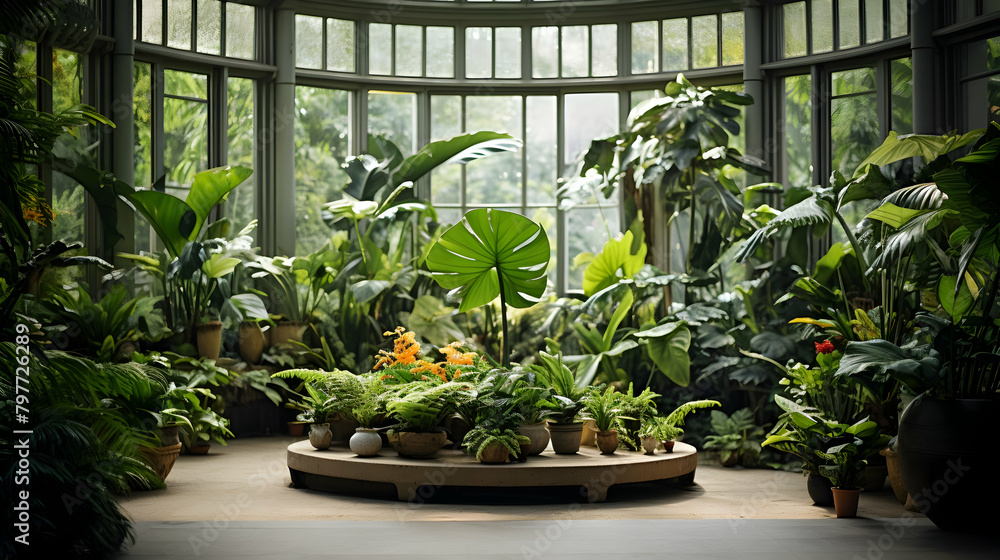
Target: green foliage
[[605, 409], [421, 407], [620, 258], [478, 439], [736, 435]]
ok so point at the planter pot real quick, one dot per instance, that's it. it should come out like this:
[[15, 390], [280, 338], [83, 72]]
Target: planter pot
[[343, 429], [417, 444], [895, 475], [285, 331], [296, 429], [819, 488], [649, 444], [589, 435], [251, 342], [162, 459], [209, 337], [201, 449], [845, 501], [538, 435], [366, 442], [320, 436], [668, 446], [494, 453], [607, 441], [948, 463], [566, 437], [457, 427], [169, 435]]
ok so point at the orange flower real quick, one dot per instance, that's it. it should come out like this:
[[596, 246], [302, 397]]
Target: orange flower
[[455, 357], [425, 366]]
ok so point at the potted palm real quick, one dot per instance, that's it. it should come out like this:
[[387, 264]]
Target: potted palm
[[606, 412]]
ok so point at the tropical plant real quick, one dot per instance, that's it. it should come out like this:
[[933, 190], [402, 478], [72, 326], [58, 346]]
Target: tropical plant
[[736, 437], [669, 427], [604, 408], [567, 390], [421, 407], [478, 439], [492, 253], [328, 395]]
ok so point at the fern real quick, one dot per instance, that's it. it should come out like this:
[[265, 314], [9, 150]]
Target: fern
[[676, 418], [478, 439]]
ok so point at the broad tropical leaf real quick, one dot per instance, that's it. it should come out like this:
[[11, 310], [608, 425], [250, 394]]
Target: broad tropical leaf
[[897, 147], [668, 345], [615, 261]]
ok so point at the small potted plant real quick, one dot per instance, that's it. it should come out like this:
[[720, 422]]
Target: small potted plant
[[528, 398], [606, 412], [665, 430], [366, 442], [204, 423], [565, 402], [636, 409], [494, 438], [846, 459], [420, 408]]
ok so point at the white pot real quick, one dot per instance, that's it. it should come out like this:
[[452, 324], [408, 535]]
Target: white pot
[[366, 442], [320, 435], [649, 444]]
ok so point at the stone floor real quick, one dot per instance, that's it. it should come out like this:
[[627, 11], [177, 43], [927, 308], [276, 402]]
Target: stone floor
[[237, 502]]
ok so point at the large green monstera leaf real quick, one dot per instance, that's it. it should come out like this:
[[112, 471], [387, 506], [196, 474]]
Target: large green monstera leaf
[[487, 249]]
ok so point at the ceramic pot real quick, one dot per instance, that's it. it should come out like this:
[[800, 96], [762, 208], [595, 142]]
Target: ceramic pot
[[819, 487], [162, 459], [649, 444], [948, 464], [566, 437], [285, 331], [169, 435], [845, 501], [668, 446], [607, 441], [200, 449], [366, 442], [494, 453], [209, 336], [417, 444], [589, 435], [320, 436], [343, 429], [251, 342], [296, 429], [538, 435]]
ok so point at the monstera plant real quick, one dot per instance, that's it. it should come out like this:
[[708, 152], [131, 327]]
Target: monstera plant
[[492, 253]]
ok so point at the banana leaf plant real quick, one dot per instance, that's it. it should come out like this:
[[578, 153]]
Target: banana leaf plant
[[492, 253]]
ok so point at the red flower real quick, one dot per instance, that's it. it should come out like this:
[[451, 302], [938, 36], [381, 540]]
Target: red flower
[[825, 347]]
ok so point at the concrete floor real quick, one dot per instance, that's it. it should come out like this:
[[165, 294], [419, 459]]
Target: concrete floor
[[237, 502]]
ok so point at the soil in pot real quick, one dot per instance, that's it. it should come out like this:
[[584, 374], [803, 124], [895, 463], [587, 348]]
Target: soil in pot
[[494, 453], [845, 501], [366, 442], [209, 337], [538, 435], [417, 445], [819, 489], [251, 342], [320, 436], [566, 438], [607, 441]]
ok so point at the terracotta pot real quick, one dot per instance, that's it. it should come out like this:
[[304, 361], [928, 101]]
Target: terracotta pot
[[251, 342], [649, 444], [320, 436], [209, 337], [494, 453], [819, 488], [200, 449], [366, 442], [589, 435], [417, 444], [285, 331], [162, 459], [607, 441], [538, 435], [845, 501], [296, 429], [343, 429], [668, 446], [566, 437]]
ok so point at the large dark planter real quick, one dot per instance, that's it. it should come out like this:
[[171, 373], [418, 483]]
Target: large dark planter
[[948, 460], [819, 488]]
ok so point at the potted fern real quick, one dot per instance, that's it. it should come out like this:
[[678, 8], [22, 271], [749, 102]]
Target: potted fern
[[665, 430], [606, 411], [420, 408], [494, 438], [328, 403], [366, 442]]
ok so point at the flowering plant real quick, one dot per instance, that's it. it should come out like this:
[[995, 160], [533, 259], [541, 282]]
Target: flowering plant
[[403, 364]]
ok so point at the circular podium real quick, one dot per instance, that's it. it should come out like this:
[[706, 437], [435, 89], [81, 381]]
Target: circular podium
[[589, 469]]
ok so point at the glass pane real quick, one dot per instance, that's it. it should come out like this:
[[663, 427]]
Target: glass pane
[[853, 131], [860, 80], [446, 122], [68, 200], [185, 84], [822, 26], [588, 116], [185, 130], [705, 41], [604, 50], [340, 45], [898, 13], [901, 74], [379, 49], [478, 52], [508, 63], [241, 204], [644, 47], [545, 52], [152, 21], [308, 42], [874, 21], [394, 115], [322, 143], [241, 21], [540, 148], [142, 116], [795, 29], [850, 24], [496, 179], [636, 97], [797, 131], [209, 26], [409, 50], [448, 216], [732, 38], [546, 217], [675, 44], [587, 231], [179, 24], [441, 52], [574, 51]]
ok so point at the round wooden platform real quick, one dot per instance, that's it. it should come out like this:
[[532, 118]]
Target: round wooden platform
[[588, 469]]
